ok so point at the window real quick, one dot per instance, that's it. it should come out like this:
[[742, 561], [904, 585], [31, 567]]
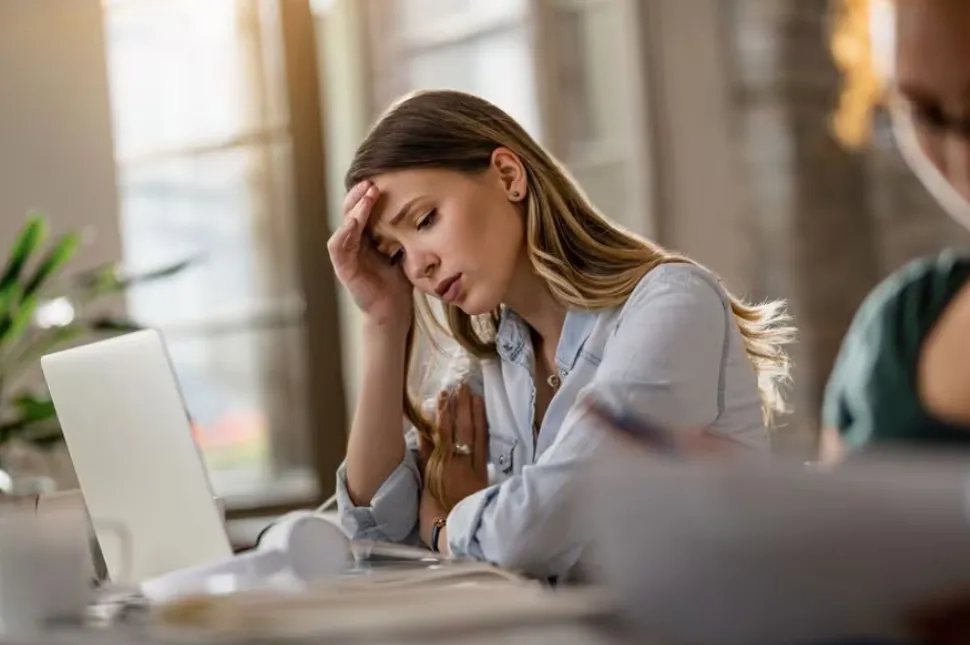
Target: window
[[596, 101], [480, 47], [568, 70], [204, 159]]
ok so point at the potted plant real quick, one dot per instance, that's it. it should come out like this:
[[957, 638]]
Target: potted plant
[[41, 311]]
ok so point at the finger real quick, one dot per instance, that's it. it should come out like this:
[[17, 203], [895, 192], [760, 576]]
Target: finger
[[362, 209], [464, 425], [353, 196], [348, 233], [342, 239], [480, 449], [445, 420], [359, 211], [351, 232], [354, 232], [357, 220]]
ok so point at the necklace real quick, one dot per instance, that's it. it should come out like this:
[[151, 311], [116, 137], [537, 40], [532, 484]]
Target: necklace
[[554, 381]]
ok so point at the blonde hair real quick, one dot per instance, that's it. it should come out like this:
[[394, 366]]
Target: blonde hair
[[863, 89], [585, 260]]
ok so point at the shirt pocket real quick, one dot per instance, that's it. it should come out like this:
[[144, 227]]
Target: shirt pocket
[[501, 454]]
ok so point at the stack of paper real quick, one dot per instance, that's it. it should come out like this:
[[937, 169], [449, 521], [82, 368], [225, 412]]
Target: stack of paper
[[402, 613]]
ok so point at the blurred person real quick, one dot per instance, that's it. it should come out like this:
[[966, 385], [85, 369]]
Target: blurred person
[[903, 372], [550, 302]]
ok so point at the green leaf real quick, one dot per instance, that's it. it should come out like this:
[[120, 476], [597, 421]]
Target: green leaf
[[109, 278], [33, 408], [32, 235], [150, 276], [44, 432], [29, 412], [98, 278], [9, 301], [21, 320], [48, 341], [9, 298], [55, 259]]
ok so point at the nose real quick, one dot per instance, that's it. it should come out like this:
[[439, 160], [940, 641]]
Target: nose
[[420, 267]]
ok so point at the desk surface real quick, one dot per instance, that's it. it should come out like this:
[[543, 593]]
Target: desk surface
[[510, 615], [561, 634]]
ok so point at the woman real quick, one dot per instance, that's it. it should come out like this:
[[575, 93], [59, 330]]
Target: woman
[[550, 302], [904, 366]]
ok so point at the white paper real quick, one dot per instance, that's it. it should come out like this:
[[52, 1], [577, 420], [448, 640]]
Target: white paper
[[769, 553]]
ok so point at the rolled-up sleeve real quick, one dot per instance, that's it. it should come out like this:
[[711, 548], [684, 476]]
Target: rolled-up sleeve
[[665, 360], [393, 512]]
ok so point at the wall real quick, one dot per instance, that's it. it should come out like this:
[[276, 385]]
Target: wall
[[700, 200], [56, 153], [346, 114]]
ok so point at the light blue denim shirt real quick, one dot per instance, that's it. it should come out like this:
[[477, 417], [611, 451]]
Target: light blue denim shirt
[[672, 353]]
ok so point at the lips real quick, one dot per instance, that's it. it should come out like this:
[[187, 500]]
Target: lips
[[449, 289]]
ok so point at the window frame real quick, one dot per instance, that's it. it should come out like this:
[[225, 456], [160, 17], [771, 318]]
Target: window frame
[[315, 310]]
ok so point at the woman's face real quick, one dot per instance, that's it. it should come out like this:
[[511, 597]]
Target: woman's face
[[458, 237], [932, 82]]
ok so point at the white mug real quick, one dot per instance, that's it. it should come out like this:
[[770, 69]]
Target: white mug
[[44, 571]]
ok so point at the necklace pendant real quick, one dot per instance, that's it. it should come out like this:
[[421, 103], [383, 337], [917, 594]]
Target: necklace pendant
[[554, 381]]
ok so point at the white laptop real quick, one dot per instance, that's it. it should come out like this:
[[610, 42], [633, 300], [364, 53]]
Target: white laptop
[[141, 473]]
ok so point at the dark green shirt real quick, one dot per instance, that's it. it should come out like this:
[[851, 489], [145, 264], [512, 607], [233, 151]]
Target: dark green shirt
[[872, 393]]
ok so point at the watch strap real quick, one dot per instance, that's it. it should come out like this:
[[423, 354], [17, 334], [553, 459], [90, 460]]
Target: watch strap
[[439, 524]]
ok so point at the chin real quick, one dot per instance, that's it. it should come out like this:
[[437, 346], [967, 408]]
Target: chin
[[474, 309], [475, 305]]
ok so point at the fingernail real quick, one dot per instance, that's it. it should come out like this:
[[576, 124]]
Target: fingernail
[[372, 191]]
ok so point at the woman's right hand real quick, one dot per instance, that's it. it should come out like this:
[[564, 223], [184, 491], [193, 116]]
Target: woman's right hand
[[380, 289]]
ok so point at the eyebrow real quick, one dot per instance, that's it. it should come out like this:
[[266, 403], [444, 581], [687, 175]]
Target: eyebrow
[[405, 209], [914, 91]]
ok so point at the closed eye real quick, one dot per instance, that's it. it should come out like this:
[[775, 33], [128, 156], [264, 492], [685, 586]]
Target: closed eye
[[931, 115], [427, 219]]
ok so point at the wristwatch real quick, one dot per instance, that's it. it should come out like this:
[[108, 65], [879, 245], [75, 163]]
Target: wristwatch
[[439, 523]]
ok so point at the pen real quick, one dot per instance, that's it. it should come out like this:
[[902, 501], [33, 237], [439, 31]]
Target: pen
[[644, 431]]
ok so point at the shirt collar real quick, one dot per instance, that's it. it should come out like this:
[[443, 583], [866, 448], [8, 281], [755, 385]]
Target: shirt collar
[[513, 336]]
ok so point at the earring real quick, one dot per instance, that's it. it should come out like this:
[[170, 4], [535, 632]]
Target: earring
[[515, 194]]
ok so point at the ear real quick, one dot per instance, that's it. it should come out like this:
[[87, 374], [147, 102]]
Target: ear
[[511, 173]]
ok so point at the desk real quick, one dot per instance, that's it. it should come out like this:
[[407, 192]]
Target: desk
[[563, 634], [549, 618], [465, 616]]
